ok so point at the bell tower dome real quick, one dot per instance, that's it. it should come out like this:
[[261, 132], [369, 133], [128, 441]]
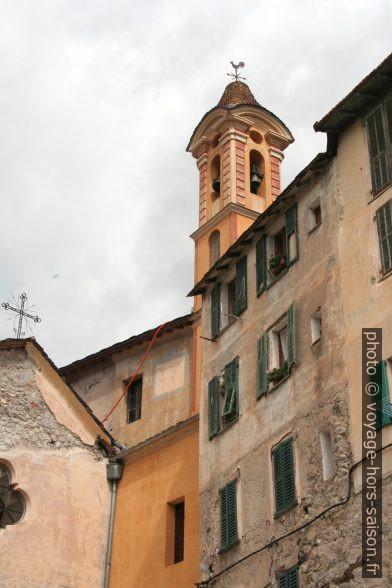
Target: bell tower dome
[[238, 146]]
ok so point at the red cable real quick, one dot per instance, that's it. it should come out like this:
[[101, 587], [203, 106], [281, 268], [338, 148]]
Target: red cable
[[137, 370]]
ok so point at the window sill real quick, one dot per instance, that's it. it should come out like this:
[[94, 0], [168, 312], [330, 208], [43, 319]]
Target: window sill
[[385, 276], [274, 386], [278, 514], [315, 344], [224, 549], [313, 229], [380, 193], [232, 322]]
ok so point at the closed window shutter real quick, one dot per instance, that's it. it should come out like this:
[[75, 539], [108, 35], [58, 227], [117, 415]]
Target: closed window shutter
[[384, 222], [284, 476], [292, 578], [388, 111], [282, 580], [261, 265], [381, 399], [215, 311], [213, 407], [262, 365], [378, 150], [240, 286], [228, 514], [288, 469], [232, 512], [291, 235], [224, 518], [291, 337], [230, 407]]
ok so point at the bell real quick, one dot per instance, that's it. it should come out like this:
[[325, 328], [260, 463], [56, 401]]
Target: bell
[[255, 181], [216, 185]]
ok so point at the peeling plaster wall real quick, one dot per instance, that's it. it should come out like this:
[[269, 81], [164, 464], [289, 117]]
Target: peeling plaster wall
[[61, 540], [313, 399], [167, 394]]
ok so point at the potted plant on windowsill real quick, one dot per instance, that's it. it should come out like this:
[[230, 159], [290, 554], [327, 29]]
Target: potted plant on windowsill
[[277, 374], [277, 263]]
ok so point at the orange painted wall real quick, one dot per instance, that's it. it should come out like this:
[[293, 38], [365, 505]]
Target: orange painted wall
[[139, 543]]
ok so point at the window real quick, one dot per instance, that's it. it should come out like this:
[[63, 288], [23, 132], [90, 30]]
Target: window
[[382, 398], [276, 353], [214, 247], [228, 515], [223, 399], [327, 455], [261, 270], [314, 214], [12, 502], [289, 578], [175, 525], [282, 247], [135, 401], [384, 222], [316, 326], [229, 299], [179, 520], [284, 478], [379, 132]]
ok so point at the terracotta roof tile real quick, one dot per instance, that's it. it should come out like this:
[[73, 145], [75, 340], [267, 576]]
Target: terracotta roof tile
[[236, 93]]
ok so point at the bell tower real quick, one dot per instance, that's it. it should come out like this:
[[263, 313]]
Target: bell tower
[[238, 146]]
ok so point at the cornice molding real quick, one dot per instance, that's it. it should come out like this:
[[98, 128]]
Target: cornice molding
[[222, 214]]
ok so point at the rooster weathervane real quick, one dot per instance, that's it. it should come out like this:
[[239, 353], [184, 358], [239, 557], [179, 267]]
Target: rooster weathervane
[[236, 67]]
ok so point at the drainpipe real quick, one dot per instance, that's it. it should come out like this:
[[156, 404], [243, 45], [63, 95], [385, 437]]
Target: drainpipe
[[114, 472]]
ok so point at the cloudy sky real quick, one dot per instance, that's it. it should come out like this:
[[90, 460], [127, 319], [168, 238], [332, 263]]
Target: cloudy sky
[[98, 99]]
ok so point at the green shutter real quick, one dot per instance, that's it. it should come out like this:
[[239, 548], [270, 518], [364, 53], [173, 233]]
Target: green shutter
[[383, 407], [215, 311], [262, 365], [228, 514], [388, 112], [261, 265], [240, 286], [291, 229], [384, 222], [213, 407], [291, 338], [224, 518], [231, 403], [284, 476], [289, 578], [378, 150]]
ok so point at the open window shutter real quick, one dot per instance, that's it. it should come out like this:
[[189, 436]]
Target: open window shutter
[[292, 577], [288, 473], [378, 150], [291, 339], [262, 365], [213, 407], [232, 512], [381, 399], [384, 221], [261, 265], [291, 234], [231, 404], [215, 311], [224, 518], [240, 286]]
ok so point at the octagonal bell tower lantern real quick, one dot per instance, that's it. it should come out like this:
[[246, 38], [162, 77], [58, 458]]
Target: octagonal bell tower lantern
[[238, 146]]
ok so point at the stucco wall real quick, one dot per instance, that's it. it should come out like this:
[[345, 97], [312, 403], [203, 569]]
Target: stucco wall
[[62, 538], [154, 478]]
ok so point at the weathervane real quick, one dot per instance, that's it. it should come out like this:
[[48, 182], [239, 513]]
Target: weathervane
[[21, 311], [235, 75]]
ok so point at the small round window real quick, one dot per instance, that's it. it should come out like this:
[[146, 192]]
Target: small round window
[[12, 502]]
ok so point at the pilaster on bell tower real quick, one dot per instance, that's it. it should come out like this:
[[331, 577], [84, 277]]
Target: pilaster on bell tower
[[238, 146]]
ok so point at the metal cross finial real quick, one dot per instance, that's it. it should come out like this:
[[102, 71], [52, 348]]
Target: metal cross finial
[[21, 311], [235, 75]]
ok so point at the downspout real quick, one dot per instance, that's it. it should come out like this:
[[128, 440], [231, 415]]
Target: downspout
[[114, 472]]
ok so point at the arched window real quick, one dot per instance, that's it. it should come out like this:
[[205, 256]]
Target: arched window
[[256, 167], [12, 502], [214, 247], [215, 175]]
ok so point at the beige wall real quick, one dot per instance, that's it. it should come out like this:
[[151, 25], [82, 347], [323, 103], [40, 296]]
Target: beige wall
[[47, 442], [167, 396], [366, 296]]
